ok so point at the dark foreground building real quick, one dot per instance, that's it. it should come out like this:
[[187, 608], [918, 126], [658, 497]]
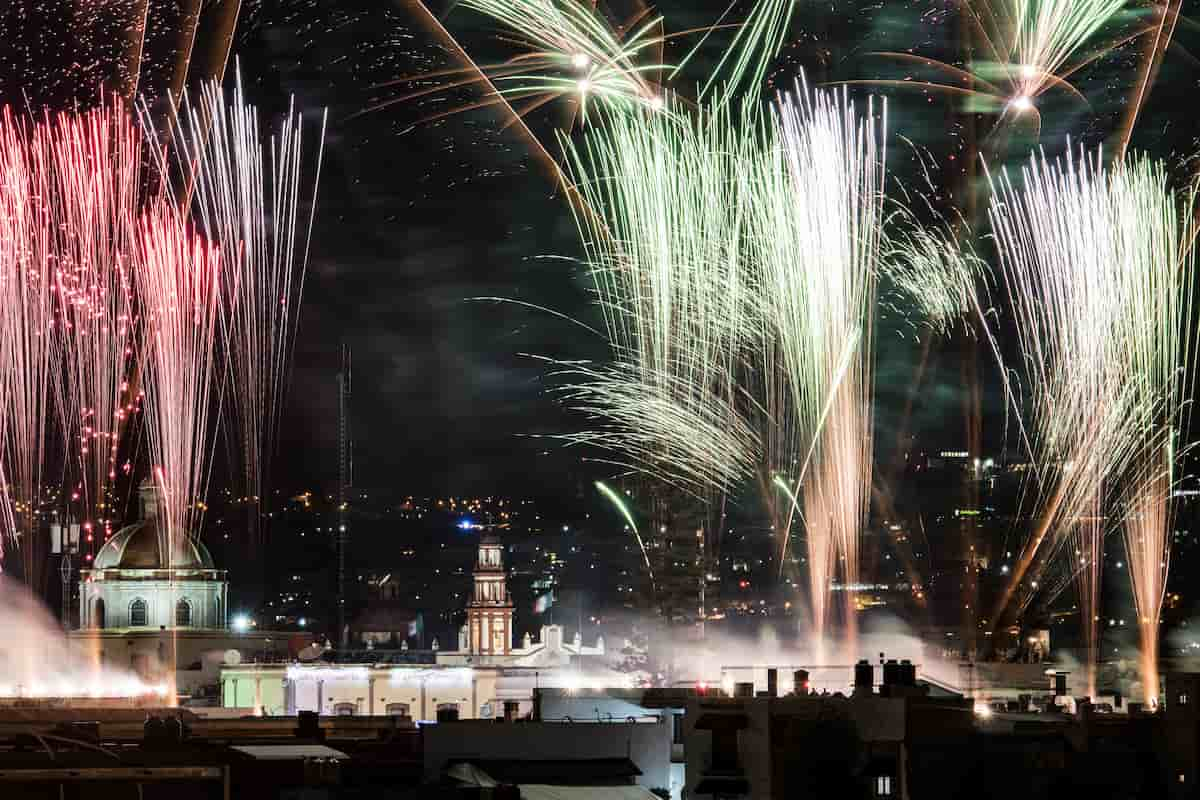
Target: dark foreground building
[[899, 739]]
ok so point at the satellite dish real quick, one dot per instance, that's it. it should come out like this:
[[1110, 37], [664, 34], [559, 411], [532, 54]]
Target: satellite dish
[[311, 653], [233, 657]]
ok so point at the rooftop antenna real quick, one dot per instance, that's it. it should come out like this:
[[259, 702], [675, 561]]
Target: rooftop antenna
[[345, 478]]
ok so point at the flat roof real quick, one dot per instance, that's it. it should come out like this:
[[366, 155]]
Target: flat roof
[[288, 752]]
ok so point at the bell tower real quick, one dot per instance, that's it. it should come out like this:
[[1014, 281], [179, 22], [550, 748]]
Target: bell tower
[[490, 611]]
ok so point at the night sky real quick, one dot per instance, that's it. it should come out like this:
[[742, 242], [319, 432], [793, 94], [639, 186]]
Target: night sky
[[416, 219]]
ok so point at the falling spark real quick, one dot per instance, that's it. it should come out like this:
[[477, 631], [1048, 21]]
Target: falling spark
[[616, 500]]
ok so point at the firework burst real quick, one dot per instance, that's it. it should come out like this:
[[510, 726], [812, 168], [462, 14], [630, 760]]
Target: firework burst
[[667, 264], [178, 277], [567, 49], [247, 197], [818, 221], [96, 166], [1026, 48], [1101, 301], [27, 325]]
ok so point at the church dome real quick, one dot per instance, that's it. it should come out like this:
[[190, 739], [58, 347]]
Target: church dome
[[137, 547]]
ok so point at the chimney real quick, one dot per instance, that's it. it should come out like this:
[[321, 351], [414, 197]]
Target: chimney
[[864, 678], [891, 673], [308, 726], [772, 682]]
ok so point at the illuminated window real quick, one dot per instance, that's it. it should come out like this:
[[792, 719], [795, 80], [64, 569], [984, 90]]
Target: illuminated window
[[183, 613], [1183, 698], [397, 709], [344, 709], [137, 613], [883, 786]]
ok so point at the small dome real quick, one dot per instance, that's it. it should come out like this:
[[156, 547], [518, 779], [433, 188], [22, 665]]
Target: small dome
[[137, 547]]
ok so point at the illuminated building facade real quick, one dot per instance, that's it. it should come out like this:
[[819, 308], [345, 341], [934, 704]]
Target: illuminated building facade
[[131, 585], [474, 681], [490, 610]]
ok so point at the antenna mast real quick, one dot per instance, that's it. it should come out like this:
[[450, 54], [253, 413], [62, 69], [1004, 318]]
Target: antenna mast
[[345, 477]]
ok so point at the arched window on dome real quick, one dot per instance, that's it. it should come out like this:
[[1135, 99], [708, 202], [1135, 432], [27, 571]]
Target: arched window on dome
[[183, 613], [137, 613], [98, 613]]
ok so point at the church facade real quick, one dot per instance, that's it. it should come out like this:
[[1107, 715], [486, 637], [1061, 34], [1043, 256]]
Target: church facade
[[131, 585], [161, 617], [475, 681]]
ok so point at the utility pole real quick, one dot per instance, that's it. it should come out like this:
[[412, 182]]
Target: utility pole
[[345, 477]]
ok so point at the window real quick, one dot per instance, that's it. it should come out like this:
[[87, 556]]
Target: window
[[1183, 698], [183, 613], [397, 709], [137, 613], [343, 710], [98, 613], [677, 729], [883, 786]]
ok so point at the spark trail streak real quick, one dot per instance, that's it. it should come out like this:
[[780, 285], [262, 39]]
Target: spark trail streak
[[749, 55], [616, 500], [247, 196]]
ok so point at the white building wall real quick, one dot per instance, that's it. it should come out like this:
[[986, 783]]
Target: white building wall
[[206, 598], [477, 692]]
